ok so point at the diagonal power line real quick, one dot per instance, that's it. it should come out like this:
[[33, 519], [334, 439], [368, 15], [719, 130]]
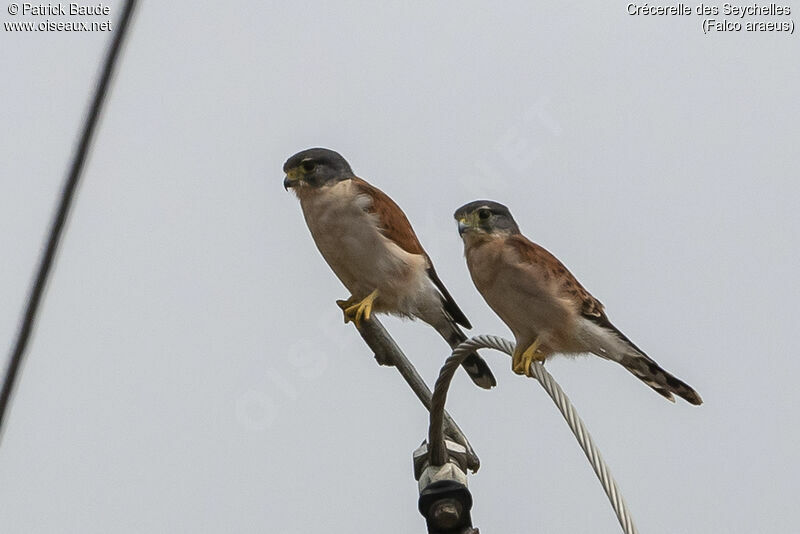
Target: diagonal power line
[[64, 204]]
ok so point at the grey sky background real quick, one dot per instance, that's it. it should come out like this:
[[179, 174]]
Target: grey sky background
[[190, 371]]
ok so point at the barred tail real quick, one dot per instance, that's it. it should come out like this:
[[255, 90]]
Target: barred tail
[[604, 339], [649, 372]]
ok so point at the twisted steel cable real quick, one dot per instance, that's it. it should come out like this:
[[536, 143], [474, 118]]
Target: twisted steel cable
[[61, 215], [436, 439]]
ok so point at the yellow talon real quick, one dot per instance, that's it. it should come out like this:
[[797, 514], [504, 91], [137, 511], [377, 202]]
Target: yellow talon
[[355, 311], [521, 362], [344, 304]]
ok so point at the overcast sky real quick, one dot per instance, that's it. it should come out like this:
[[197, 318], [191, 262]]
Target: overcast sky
[[190, 371]]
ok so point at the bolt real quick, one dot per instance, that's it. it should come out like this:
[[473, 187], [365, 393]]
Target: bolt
[[447, 513]]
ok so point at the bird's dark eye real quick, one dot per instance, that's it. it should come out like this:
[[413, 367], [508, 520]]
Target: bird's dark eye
[[308, 166], [484, 214]]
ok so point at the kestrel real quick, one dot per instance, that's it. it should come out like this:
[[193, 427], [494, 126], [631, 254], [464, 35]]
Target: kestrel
[[546, 308], [370, 245]]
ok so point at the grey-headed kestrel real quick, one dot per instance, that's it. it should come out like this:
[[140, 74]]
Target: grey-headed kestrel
[[546, 308], [370, 245]]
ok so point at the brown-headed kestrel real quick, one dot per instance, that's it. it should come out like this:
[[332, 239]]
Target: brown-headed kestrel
[[370, 245], [546, 308]]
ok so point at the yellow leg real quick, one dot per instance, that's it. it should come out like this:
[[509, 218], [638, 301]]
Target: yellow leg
[[521, 362], [355, 310]]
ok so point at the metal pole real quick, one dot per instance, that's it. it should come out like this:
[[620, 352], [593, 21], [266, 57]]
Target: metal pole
[[388, 353]]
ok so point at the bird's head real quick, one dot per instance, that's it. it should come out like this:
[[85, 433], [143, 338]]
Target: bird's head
[[315, 167], [485, 217]]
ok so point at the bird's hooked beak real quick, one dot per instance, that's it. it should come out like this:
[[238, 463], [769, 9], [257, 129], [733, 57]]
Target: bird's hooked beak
[[465, 222], [292, 179]]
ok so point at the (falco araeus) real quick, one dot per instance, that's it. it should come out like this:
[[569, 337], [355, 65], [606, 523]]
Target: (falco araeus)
[[546, 308], [370, 245]]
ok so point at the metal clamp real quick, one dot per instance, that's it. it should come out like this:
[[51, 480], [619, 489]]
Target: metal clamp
[[444, 499]]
